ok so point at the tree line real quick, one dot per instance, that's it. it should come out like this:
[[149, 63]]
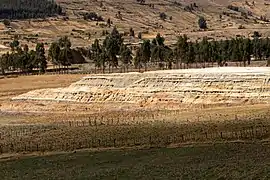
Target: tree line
[[113, 53], [26, 9], [23, 60]]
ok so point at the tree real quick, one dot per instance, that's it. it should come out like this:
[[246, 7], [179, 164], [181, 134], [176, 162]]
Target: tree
[[126, 56], [145, 52], [158, 50], [247, 51], [96, 51], [202, 23], [102, 59], [4, 63], [190, 54], [14, 44], [65, 54], [256, 34], [40, 57], [54, 52], [138, 59], [112, 44], [168, 56], [257, 50], [204, 50], [181, 50]]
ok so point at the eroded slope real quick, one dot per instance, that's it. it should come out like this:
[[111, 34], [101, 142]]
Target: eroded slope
[[221, 86]]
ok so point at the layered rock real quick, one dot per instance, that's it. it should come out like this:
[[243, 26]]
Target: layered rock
[[227, 85]]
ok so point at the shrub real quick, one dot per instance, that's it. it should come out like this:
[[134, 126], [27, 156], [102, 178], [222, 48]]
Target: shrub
[[202, 23], [6, 22], [163, 16], [92, 16], [241, 27]]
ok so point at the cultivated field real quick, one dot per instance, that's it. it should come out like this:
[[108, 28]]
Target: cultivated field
[[207, 161]]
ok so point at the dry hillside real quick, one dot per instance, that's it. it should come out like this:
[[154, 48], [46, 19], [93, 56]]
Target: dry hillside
[[142, 18]]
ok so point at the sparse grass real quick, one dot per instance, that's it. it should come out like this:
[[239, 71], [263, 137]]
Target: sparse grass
[[106, 133], [212, 161], [10, 87]]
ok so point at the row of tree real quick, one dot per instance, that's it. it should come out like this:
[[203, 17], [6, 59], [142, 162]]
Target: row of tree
[[21, 59], [113, 51], [25, 9]]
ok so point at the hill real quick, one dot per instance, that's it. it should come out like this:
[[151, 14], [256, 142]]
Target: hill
[[180, 17]]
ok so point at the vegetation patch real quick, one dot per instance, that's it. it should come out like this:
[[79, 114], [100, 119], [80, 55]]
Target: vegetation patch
[[26, 9]]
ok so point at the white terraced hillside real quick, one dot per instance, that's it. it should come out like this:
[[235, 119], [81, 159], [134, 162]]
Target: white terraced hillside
[[227, 85]]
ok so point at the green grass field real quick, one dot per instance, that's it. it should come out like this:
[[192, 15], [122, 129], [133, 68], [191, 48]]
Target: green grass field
[[218, 161]]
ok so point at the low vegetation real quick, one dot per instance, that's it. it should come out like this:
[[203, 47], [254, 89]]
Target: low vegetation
[[209, 161], [92, 16]]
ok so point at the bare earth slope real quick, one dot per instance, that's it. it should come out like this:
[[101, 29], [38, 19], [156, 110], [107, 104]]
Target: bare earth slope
[[142, 18], [211, 86]]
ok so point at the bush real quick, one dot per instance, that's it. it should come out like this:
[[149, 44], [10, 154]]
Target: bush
[[234, 8], [6, 22], [241, 27], [92, 16], [202, 23], [163, 16]]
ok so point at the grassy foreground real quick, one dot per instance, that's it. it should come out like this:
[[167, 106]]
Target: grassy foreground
[[218, 161]]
